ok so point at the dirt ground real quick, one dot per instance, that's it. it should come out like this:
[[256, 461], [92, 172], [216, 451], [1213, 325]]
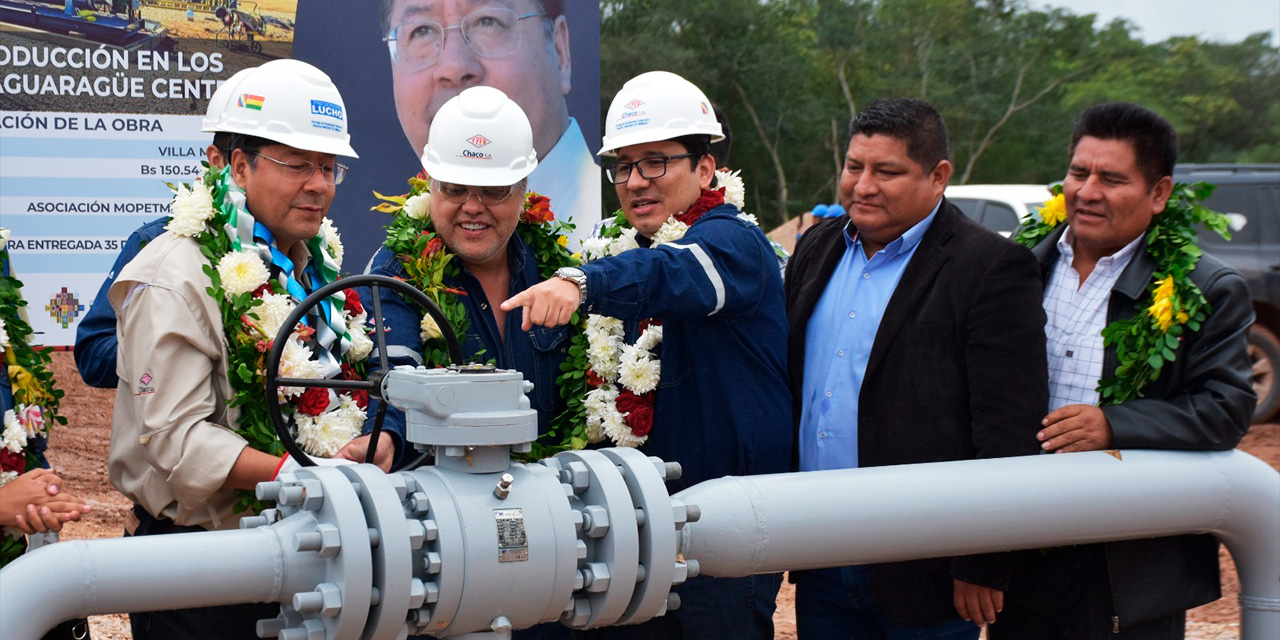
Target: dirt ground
[[79, 452]]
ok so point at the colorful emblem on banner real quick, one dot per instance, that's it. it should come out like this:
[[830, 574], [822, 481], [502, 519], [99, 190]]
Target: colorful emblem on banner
[[250, 101], [478, 141], [64, 308]]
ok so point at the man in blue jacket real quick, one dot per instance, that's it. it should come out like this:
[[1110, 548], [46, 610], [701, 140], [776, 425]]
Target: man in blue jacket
[[721, 405]]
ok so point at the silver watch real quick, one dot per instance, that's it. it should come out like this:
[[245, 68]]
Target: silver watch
[[576, 276]]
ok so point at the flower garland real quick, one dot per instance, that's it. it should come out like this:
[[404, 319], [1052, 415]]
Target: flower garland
[[1148, 340], [428, 263], [35, 396], [254, 305], [624, 377]]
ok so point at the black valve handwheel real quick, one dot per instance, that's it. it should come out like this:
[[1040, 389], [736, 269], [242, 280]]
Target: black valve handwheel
[[373, 381]]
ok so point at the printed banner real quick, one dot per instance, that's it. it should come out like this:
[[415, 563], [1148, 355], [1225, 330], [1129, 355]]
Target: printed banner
[[99, 108]]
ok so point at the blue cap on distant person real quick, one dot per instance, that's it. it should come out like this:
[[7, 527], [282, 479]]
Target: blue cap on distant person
[[819, 211]]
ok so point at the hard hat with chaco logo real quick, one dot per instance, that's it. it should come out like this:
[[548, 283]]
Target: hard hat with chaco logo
[[480, 138], [214, 114], [292, 103], [658, 105]]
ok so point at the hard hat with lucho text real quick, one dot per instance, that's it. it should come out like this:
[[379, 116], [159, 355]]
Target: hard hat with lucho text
[[292, 103]]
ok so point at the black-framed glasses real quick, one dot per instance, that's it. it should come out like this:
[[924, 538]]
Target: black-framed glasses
[[490, 33], [302, 170], [488, 196], [650, 168]]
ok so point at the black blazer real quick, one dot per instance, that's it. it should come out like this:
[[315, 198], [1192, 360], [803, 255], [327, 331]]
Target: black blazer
[[957, 371], [1204, 400]]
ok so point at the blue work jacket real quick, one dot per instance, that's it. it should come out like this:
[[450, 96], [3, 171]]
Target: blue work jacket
[[95, 349], [723, 406], [537, 354]]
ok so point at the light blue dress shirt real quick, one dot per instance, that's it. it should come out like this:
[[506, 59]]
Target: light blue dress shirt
[[838, 344]]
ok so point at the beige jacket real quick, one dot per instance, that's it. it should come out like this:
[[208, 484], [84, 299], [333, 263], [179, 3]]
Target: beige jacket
[[171, 447]]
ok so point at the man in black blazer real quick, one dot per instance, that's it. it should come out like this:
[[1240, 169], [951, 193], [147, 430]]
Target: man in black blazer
[[1097, 270], [916, 335]]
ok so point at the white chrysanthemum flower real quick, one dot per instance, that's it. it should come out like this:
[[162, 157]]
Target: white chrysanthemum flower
[[361, 344], [670, 231], [616, 427], [624, 243], [429, 329], [595, 248], [638, 371], [4, 335], [241, 272], [604, 343], [296, 362], [332, 240], [599, 403], [272, 312], [749, 217], [192, 208], [735, 191], [417, 207], [14, 435], [651, 337], [7, 476], [326, 434]]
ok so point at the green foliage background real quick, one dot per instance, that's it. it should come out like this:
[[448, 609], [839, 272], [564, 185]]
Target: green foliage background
[[1007, 77]]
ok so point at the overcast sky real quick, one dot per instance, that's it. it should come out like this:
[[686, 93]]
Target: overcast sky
[[1157, 20]]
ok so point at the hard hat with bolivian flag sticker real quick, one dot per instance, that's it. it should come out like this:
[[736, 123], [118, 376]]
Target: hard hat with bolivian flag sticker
[[289, 102]]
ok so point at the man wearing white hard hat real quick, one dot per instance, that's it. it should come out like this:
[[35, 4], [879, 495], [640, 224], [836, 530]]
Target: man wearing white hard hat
[[691, 286], [187, 438], [95, 348], [479, 158]]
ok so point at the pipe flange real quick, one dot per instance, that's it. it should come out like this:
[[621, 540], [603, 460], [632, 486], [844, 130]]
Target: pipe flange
[[392, 558], [351, 567], [617, 548], [657, 548]]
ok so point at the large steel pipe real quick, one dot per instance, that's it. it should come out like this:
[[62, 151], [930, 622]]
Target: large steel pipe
[[780, 522], [81, 578]]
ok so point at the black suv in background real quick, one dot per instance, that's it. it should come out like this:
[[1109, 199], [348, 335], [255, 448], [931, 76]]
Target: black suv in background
[[1249, 194]]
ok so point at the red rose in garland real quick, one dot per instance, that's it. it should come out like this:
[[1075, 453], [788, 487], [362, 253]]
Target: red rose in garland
[[638, 411], [314, 401]]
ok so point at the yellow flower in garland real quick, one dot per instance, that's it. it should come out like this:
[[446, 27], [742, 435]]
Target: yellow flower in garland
[[1054, 210], [27, 388], [1162, 305]]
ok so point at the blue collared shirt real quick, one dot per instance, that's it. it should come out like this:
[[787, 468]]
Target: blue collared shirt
[[841, 332]]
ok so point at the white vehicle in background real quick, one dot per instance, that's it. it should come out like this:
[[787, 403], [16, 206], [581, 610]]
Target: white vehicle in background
[[999, 207]]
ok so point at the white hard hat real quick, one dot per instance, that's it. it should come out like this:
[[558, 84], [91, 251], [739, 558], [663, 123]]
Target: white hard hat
[[658, 105], [480, 138], [218, 102], [292, 103]]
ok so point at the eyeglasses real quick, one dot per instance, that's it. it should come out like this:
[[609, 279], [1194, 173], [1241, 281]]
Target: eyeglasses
[[490, 33], [649, 168], [459, 194], [302, 170]]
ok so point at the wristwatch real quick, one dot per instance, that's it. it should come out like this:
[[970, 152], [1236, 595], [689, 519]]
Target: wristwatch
[[576, 276]]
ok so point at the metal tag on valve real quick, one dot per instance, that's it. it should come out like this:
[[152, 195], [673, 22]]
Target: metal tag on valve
[[513, 544]]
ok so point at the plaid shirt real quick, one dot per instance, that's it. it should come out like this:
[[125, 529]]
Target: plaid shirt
[[1076, 316]]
